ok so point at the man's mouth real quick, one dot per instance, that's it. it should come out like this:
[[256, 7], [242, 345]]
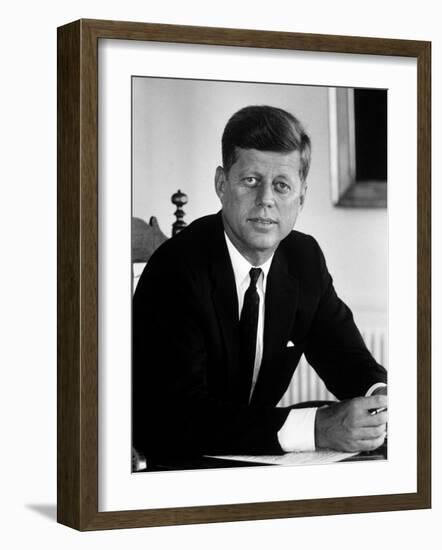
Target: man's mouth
[[263, 221]]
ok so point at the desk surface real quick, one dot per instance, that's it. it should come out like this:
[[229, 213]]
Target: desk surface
[[205, 462]]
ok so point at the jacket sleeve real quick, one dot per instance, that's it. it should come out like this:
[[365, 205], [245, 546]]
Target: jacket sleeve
[[175, 410], [335, 347]]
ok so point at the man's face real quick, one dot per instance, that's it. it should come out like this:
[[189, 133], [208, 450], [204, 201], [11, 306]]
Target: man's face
[[261, 197]]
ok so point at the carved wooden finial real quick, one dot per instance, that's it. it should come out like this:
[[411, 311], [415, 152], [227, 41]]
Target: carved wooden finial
[[179, 200]]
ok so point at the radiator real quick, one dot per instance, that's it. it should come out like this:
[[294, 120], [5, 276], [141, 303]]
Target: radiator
[[306, 384]]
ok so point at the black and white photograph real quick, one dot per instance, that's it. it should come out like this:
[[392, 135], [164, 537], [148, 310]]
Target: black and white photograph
[[259, 274]]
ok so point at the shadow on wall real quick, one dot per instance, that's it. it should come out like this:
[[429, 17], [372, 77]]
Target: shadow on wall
[[48, 511]]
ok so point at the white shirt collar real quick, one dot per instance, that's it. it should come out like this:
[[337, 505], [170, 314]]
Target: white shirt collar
[[241, 266]]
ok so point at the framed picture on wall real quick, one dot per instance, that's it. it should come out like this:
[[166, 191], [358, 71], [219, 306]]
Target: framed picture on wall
[[358, 143], [143, 109]]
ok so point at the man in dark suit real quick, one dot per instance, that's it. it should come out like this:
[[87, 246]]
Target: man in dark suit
[[224, 311]]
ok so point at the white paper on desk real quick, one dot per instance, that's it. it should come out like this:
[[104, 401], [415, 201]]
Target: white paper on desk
[[323, 456]]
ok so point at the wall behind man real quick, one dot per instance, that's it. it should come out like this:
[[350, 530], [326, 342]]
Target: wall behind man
[[177, 145]]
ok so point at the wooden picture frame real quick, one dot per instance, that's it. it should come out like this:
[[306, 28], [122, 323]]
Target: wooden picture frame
[[77, 223]]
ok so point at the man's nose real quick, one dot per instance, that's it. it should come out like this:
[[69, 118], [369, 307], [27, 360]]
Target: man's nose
[[264, 195]]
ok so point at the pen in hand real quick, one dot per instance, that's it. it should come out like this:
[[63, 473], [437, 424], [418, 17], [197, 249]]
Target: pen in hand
[[377, 411]]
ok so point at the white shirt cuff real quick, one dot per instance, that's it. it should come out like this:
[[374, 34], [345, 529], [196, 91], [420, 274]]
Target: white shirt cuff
[[375, 387], [298, 431]]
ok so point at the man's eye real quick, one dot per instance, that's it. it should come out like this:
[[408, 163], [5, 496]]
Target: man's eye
[[250, 180], [282, 187]]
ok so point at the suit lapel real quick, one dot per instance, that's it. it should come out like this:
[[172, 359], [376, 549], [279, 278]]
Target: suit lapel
[[281, 303], [226, 301]]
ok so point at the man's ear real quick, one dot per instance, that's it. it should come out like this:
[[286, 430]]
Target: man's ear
[[302, 195], [220, 182]]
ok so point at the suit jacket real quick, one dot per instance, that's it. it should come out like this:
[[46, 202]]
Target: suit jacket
[[186, 348]]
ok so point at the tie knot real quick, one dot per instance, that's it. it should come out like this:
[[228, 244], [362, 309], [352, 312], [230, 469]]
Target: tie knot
[[254, 273]]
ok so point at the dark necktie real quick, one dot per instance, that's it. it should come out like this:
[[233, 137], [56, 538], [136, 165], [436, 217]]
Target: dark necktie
[[248, 324]]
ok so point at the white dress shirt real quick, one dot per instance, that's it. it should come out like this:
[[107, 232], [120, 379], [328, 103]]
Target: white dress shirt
[[298, 431], [241, 269]]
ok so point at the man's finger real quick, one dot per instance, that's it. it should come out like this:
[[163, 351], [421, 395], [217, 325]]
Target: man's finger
[[373, 433], [376, 401], [370, 444], [362, 405], [368, 420]]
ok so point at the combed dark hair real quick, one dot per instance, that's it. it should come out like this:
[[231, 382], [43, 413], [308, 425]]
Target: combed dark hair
[[265, 128]]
